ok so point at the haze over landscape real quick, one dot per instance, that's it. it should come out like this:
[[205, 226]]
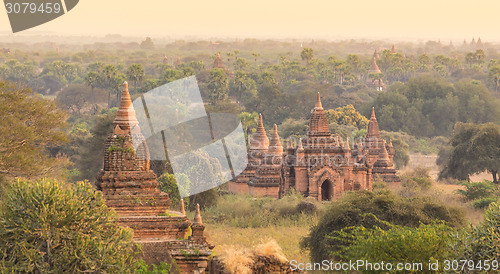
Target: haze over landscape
[[386, 19]]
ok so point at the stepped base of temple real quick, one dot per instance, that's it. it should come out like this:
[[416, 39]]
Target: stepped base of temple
[[388, 175], [173, 226], [185, 256]]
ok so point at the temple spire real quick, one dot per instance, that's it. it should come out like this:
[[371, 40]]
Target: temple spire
[[393, 48], [375, 67], [318, 122], [318, 102], [259, 138], [290, 143], [125, 116], [373, 129], [183, 211], [275, 146], [384, 156], [197, 216]]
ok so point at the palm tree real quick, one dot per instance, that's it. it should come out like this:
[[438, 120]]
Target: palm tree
[[92, 80], [109, 73], [135, 73], [248, 121], [307, 54]]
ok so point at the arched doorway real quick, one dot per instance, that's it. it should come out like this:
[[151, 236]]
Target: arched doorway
[[326, 190]]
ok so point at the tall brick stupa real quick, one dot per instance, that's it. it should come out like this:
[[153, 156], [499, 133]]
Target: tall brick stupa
[[130, 188]]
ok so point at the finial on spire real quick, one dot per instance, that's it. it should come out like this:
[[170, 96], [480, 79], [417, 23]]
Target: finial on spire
[[197, 216], [318, 102], [290, 143], [347, 147], [373, 113], [183, 211], [125, 116], [390, 142]]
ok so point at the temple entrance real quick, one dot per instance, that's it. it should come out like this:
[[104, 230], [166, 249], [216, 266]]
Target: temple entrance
[[326, 190]]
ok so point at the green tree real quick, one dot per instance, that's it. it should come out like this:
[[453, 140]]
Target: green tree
[[49, 227], [217, 85], [93, 79], [168, 183], [307, 54], [243, 86], [92, 152], [109, 73], [249, 121], [474, 148], [494, 76], [73, 98], [29, 127], [135, 73], [346, 115], [148, 43]]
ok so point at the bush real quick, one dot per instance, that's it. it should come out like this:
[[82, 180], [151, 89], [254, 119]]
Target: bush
[[351, 209], [478, 190], [143, 268], [483, 203], [395, 244], [482, 242], [168, 184], [415, 181], [246, 211], [46, 226]]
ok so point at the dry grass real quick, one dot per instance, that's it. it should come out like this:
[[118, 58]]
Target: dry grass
[[287, 238], [240, 259]]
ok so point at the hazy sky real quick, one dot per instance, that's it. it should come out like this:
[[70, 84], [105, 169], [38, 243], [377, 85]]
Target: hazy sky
[[399, 19]]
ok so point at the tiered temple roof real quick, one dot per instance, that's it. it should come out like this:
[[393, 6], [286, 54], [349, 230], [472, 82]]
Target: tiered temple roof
[[318, 123]]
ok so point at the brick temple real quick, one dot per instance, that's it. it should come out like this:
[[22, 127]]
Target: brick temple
[[322, 165], [130, 188]]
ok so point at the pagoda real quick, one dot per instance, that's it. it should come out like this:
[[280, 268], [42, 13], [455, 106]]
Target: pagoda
[[130, 188]]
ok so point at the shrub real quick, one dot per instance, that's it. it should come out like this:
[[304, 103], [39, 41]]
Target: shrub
[[483, 203], [246, 211], [482, 242], [477, 190], [46, 226], [394, 244], [351, 209], [168, 184], [143, 268]]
